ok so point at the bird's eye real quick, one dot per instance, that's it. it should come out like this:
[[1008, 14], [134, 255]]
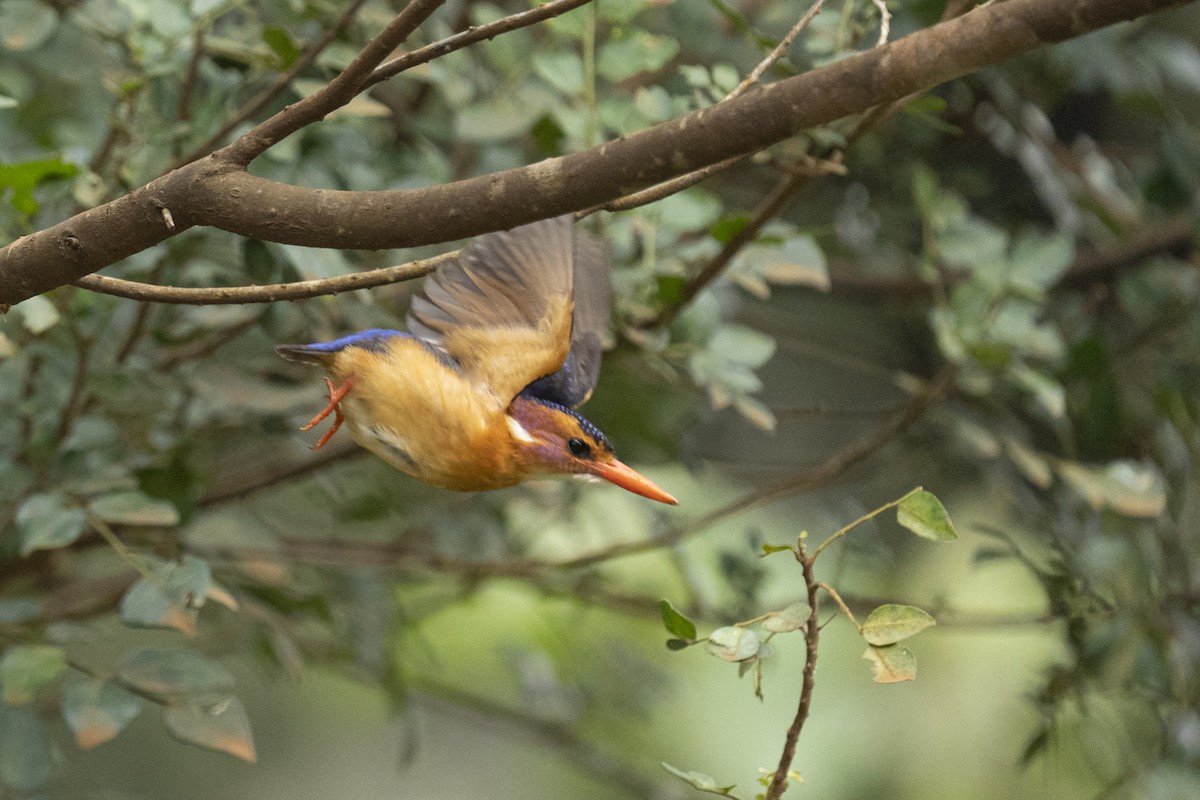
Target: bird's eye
[[579, 448]]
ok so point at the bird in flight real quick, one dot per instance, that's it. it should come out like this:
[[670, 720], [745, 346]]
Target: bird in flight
[[503, 344]]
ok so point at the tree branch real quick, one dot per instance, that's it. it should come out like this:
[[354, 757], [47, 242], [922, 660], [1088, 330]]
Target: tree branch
[[812, 636], [260, 101], [333, 95], [469, 37], [217, 191], [267, 293]]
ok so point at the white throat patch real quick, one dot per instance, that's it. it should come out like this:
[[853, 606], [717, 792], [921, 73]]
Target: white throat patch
[[518, 430]]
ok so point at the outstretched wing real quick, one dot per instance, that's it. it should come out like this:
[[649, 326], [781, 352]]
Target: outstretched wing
[[572, 384], [503, 310]]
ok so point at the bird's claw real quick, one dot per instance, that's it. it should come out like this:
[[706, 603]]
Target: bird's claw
[[335, 398]]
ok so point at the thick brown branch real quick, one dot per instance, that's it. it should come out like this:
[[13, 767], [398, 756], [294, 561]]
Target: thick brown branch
[[221, 194]]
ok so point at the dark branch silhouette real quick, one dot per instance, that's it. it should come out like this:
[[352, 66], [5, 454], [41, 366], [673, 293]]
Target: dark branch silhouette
[[218, 191]]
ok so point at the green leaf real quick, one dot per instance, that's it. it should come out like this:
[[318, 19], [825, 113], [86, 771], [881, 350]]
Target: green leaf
[[733, 643], [726, 228], [1047, 392], [25, 668], [170, 597], [175, 675], [45, 522], [742, 345], [653, 102], [38, 314], [755, 412], [223, 727], [619, 12], [924, 515], [697, 77], [1039, 260], [638, 51], [23, 178], [561, 69], [789, 619], [281, 44], [26, 761], [927, 104], [693, 209], [705, 783], [893, 623], [1032, 465], [96, 710], [1129, 488], [676, 622], [678, 644], [891, 664], [670, 288], [134, 508], [771, 549], [799, 262], [504, 116]]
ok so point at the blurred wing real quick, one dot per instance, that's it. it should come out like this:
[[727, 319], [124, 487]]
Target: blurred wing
[[503, 309], [572, 384]]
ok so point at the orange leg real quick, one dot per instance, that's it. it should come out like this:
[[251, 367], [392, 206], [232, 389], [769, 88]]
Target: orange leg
[[335, 397]]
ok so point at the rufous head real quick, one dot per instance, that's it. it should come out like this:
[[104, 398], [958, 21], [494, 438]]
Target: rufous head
[[554, 440]]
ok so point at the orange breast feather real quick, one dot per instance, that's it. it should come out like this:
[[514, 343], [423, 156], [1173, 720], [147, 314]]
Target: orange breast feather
[[425, 419]]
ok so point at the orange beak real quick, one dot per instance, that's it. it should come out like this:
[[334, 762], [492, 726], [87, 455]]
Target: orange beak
[[627, 478]]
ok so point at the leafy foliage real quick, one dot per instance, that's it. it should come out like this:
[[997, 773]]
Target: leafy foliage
[[1029, 230]]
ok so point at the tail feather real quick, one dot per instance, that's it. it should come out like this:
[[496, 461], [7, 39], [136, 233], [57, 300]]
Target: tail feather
[[304, 353], [321, 353]]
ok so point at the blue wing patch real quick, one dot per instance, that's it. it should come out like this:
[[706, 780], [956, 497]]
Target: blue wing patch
[[374, 340]]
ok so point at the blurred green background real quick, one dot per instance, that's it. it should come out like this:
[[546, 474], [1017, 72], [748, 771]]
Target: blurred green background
[[989, 292]]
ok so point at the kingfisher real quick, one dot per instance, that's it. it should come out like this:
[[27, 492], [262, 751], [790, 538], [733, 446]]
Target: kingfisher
[[503, 345]]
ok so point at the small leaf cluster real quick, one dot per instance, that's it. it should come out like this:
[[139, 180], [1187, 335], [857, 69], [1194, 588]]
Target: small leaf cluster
[[885, 629], [991, 324], [742, 643]]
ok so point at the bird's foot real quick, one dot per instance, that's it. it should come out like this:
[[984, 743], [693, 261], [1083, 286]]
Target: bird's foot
[[335, 398]]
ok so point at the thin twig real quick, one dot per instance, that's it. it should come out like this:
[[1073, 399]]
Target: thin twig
[[200, 349], [665, 189], [842, 531], [780, 49], [29, 386], [767, 209], [333, 95], [885, 22], [837, 598], [281, 83], [122, 550], [812, 636], [675, 185], [470, 36], [770, 206], [188, 89], [79, 381], [267, 293], [142, 317]]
